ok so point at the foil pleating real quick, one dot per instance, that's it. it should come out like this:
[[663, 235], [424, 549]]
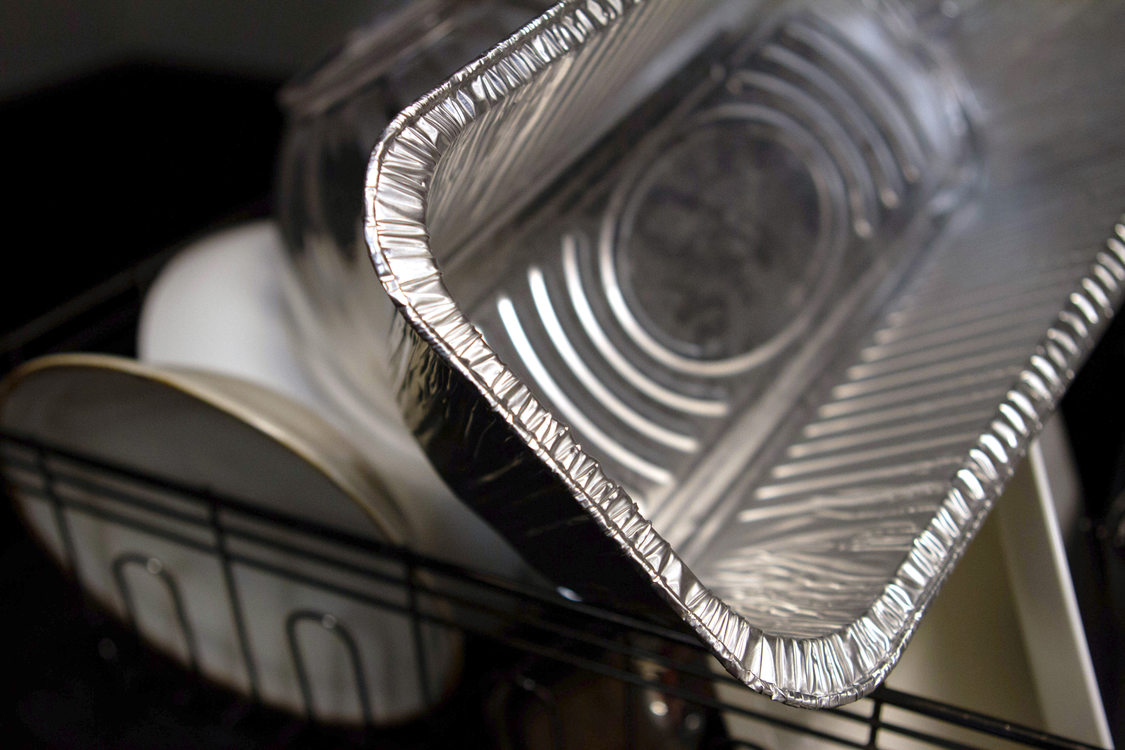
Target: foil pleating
[[797, 497]]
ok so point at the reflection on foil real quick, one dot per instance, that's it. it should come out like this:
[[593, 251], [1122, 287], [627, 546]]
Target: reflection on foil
[[770, 345]]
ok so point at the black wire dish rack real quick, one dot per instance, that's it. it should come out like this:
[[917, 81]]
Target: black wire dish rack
[[539, 670]]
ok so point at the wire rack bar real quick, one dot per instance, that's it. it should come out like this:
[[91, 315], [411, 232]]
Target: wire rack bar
[[536, 622]]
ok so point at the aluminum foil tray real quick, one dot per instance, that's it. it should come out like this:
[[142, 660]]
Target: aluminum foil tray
[[739, 314]]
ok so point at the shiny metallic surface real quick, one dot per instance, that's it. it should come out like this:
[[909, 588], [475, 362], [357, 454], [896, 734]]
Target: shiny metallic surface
[[742, 314], [335, 115]]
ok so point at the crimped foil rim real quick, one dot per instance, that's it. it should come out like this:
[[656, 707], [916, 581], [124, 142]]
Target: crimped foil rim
[[818, 672]]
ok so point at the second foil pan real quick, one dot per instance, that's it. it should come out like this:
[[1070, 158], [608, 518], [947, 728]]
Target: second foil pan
[[739, 315]]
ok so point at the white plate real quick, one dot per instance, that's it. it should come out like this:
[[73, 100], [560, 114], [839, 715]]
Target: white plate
[[163, 570], [220, 305]]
